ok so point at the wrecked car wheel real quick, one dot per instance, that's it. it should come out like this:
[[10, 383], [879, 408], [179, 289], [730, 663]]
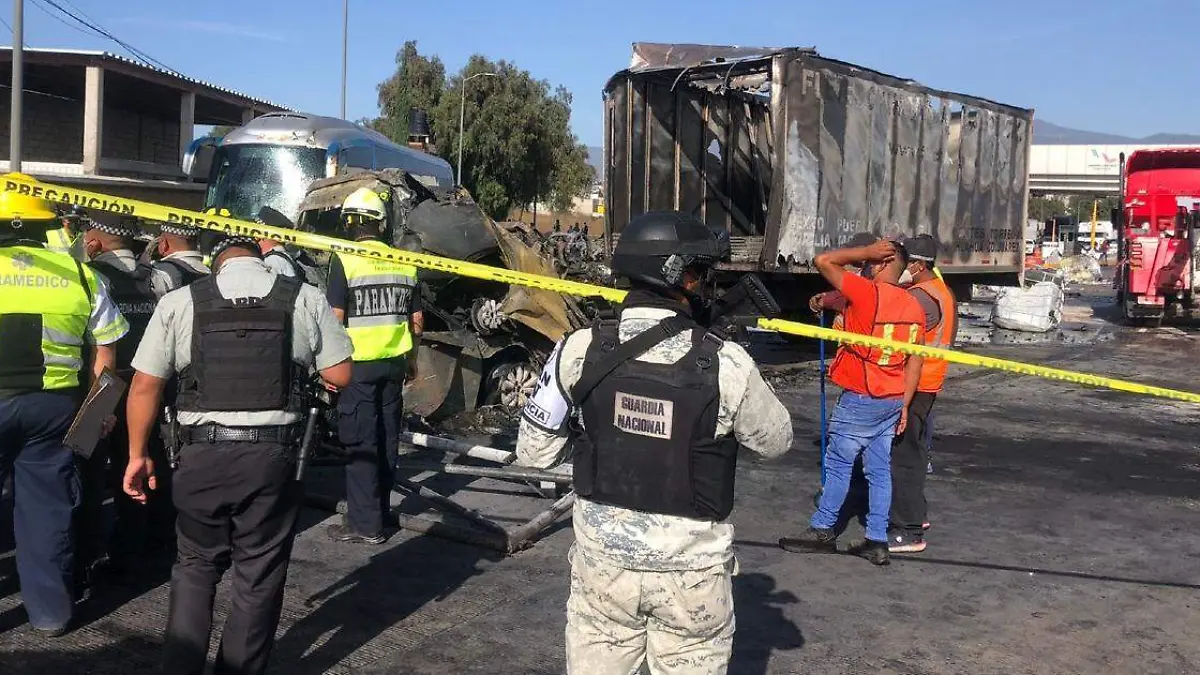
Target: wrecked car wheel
[[486, 316], [511, 384]]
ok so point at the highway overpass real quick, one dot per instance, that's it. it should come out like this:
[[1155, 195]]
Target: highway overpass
[[1078, 169]]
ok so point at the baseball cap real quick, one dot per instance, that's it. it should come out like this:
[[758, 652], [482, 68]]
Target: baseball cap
[[922, 247]]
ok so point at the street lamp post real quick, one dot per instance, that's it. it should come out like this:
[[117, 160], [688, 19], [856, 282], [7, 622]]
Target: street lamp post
[[18, 86], [462, 111], [345, 49]]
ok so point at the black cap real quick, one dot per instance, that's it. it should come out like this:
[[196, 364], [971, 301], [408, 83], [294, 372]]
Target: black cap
[[922, 247], [214, 243], [179, 230], [124, 227]]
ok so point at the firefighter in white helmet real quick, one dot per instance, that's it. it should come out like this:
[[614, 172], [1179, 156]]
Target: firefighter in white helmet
[[377, 302]]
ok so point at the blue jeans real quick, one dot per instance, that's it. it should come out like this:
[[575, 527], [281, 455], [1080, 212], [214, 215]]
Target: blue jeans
[[860, 424], [45, 492]]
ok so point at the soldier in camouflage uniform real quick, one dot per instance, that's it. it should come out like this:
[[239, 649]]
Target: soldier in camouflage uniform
[[661, 408]]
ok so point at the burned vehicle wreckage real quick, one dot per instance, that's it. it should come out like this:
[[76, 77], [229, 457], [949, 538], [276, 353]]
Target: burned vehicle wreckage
[[484, 342]]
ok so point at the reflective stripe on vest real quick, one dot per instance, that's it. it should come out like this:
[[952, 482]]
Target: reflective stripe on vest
[[35, 278], [60, 241], [377, 307], [874, 371], [933, 371]]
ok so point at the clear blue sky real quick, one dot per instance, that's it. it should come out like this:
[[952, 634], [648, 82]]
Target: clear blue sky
[[1116, 66]]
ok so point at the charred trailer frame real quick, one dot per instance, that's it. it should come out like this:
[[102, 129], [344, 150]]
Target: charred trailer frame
[[794, 153]]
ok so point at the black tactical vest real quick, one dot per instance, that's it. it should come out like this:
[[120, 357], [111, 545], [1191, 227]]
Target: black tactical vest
[[241, 351], [181, 273], [649, 429], [132, 293], [297, 271]]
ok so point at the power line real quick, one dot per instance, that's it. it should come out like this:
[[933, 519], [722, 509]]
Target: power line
[[52, 15], [101, 31], [10, 30]]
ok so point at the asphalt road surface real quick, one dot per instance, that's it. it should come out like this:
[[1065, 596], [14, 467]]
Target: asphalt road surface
[[1064, 540]]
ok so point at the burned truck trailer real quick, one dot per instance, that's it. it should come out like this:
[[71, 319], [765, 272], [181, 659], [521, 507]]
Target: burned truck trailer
[[793, 153]]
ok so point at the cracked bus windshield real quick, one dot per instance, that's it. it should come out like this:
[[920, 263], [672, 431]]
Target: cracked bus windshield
[[247, 177]]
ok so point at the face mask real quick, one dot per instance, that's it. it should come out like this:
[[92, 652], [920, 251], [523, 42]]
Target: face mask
[[906, 278]]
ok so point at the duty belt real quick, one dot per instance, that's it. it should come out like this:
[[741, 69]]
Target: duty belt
[[216, 433]]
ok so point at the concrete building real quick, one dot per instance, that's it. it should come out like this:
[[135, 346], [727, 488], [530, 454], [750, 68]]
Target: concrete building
[[100, 121]]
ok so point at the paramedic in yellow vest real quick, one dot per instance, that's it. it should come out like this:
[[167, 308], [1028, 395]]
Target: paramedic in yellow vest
[[55, 317], [378, 303], [910, 453]]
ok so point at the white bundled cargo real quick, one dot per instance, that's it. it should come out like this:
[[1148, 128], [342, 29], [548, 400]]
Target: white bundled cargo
[[1036, 309]]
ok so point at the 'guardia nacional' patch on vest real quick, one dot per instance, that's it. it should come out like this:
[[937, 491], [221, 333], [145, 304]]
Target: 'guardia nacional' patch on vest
[[643, 416]]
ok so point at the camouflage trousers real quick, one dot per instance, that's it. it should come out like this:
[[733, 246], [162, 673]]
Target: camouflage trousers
[[678, 623]]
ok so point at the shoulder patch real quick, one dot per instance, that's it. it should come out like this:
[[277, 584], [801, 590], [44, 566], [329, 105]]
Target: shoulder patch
[[548, 409]]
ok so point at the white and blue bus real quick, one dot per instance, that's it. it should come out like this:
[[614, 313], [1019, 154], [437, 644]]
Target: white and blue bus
[[272, 160]]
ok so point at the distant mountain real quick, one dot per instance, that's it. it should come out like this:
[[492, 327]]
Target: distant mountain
[[1045, 133]]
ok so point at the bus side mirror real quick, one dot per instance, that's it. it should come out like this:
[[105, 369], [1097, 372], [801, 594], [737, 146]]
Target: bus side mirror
[[197, 161], [1117, 217]]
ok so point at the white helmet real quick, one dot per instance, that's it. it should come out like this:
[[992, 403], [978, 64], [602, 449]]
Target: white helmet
[[366, 203]]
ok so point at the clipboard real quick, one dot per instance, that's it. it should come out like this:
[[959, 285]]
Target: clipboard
[[88, 426]]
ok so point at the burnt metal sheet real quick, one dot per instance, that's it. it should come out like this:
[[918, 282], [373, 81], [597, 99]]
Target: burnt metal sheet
[[835, 149], [638, 149], [679, 146], [662, 173], [932, 155], [653, 55]]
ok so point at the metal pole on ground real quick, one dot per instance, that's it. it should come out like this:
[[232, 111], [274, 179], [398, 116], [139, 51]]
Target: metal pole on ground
[[824, 421]]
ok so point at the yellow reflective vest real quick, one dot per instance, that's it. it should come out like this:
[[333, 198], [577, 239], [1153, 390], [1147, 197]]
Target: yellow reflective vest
[[59, 241], [379, 300], [44, 313]]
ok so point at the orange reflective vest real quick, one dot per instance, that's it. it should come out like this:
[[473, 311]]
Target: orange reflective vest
[[933, 371], [871, 371]]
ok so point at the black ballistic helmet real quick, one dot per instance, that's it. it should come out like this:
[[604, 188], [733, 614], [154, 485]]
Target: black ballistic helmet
[[655, 248]]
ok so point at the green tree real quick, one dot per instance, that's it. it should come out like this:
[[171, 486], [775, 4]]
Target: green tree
[[1080, 206], [517, 144], [417, 83], [219, 131], [1042, 208]]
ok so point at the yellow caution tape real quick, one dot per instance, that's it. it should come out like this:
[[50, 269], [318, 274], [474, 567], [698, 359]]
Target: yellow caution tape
[[966, 359], [67, 195]]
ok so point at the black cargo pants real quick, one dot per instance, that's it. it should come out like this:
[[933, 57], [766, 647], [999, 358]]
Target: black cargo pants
[[237, 504], [910, 457], [138, 528], [369, 422]]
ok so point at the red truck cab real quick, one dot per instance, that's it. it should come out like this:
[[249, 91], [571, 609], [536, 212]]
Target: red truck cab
[[1160, 196]]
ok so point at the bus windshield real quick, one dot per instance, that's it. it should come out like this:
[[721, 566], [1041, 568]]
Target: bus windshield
[[246, 177]]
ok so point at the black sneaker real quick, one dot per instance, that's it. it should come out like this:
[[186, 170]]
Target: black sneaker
[[812, 540], [876, 552], [345, 534]]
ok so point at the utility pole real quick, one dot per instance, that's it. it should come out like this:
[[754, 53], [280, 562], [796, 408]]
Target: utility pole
[[462, 114], [345, 49], [18, 85]]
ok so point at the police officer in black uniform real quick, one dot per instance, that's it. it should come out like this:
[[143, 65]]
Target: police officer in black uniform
[[109, 249], [242, 342]]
